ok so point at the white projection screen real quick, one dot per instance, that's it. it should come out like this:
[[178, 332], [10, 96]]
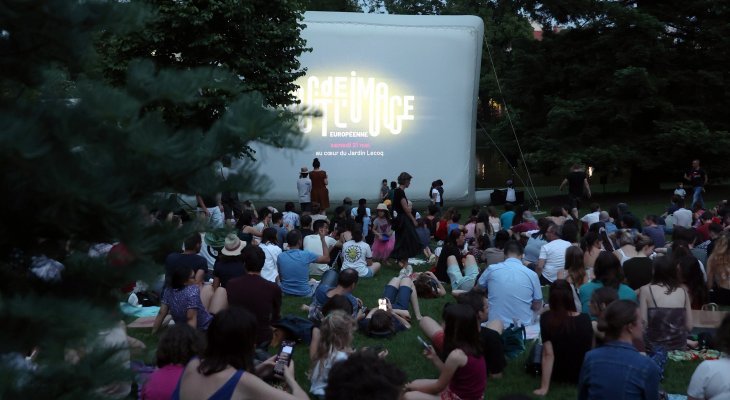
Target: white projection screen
[[397, 93]]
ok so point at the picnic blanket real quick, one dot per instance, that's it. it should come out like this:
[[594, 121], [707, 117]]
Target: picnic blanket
[[692, 355], [132, 311]]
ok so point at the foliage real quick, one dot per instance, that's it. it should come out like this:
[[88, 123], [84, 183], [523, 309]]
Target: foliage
[[333, 5], [85, 162], [257, 40], [635, 84]]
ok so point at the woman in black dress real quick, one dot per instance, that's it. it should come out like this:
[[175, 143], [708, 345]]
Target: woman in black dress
[[407, 243]]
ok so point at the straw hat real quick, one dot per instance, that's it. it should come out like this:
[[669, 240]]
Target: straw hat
[[382, 206], [304, 170], [233, 245]]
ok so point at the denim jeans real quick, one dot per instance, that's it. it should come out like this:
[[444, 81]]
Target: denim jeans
[[697, 197]]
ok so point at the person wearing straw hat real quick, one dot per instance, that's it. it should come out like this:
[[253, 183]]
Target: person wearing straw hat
[[229, 263], [304, 188]]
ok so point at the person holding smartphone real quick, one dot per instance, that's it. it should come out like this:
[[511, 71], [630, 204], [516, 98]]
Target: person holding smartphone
[[391, 315]]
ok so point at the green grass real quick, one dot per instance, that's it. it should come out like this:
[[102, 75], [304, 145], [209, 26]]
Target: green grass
[[405, 350]]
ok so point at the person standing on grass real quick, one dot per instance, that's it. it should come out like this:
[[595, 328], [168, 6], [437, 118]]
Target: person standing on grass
[[698, 178], [407, 244], [578, 187], [304, 190]]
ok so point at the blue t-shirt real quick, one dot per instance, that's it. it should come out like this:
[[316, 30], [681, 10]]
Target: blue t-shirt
[[586, 291], [506, 219], [294, 271], [320, 297], [451, 227]]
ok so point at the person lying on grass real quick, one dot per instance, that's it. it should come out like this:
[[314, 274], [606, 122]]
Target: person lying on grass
[[391, 314]]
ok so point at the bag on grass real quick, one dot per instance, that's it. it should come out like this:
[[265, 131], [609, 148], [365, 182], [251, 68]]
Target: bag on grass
[[533, 364], [514, 338], [296, 328]]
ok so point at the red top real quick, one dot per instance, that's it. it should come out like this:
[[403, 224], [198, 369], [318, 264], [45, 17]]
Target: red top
[[470, 380]]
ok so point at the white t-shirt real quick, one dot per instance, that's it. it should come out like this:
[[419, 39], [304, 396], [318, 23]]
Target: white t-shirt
[[436, 196], [711, 380], [591, 218], [321, 373], [314, 244], [554, 255], [683, 217], [291, 219], [355, 255], [270, 270], [304, 189], [353, 212]]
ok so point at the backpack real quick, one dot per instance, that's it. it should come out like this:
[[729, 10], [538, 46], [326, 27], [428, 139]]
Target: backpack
[[514, 338]]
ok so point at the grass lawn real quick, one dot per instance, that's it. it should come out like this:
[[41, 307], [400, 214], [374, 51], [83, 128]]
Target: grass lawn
[[405, 350]]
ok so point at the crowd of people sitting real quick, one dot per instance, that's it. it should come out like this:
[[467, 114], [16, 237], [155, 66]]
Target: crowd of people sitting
[[620, 297]]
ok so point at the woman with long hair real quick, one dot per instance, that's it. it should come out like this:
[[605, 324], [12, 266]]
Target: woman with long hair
[[638, 269], [617, 370], [690, 274], [665, 308], [335, 344], [483, 227], [607, 271], [567, 336], [463, 371], [718, 271], [226, 368], [626, 246], [574, 272], [591, 246], [442, 227]]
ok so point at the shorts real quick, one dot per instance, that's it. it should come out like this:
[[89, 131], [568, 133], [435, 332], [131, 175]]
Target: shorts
[[574, 201], [463, 281], [400, 298], [369, 274]]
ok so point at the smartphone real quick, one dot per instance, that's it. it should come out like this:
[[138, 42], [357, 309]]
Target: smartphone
[[383, 304], [283, 359], [423, 342]]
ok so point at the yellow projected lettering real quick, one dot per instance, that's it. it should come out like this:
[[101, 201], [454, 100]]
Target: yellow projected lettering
[[352, 104]]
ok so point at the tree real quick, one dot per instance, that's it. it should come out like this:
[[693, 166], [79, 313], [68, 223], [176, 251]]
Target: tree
[[84, 163], [333, 5], [622, 87], [258, 40]]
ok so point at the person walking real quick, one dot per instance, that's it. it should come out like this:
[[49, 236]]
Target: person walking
[[407, 243], [578, 186], [698, 178]]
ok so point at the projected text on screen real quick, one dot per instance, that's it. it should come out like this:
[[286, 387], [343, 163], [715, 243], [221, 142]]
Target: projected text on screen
[[354, 106]]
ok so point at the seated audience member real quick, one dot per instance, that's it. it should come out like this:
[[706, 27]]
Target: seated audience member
[[393, 316], [567, 335], [638, 270], [593, 216], [265, 215], [711, 379], [462, 277], [628, 219], [334, 345], [682, 216], [490, 335], [535, 241], [514, 290], [306, 225], [312, 244], [569, 232], [552, 255], [454, 224], [442, 227], [424, 237], [187, 302], [177, 346], [529, 223], [356, 254], [277, 222], [692, 280], [495, 254], [427, 285], [463, 373], [318, 214], [494, 219], [189, 257], [478, 250], [294, 264], [360, 203], [626, 246], [432, 219], [337, 302], [245, 229], [592, 247], [558, 215], [608, 273], [290, 216], [718, 272], [665, 308], [507, 216], [333, 284], [271, 249], [600, 300], [256, 294], [608, 222], [483, 227], [617, 370], [654, 231], [229, 263], [226, 369], [365, 376], [575, 273]]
